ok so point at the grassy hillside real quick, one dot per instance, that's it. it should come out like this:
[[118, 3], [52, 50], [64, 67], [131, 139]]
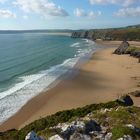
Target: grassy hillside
[[119, 116], [126, 33], [60, 117]]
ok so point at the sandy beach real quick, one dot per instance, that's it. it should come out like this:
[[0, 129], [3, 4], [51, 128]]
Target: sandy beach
[[59, 33], [103, 78]]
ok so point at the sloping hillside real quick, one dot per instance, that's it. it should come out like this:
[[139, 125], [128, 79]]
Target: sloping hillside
[[126, 33], [108, 121]]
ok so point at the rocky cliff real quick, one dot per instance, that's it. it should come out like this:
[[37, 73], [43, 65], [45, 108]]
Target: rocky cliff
[[109, 34]]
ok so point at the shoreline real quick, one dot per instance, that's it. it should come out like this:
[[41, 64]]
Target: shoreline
[[65, 76], [95, 79], [68, 68], [59, 33]]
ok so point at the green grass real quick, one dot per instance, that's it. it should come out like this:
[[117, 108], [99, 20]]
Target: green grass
[[9, 135], [132, 49], [48, 133], [117, 118], [53, 120], [123, 115], [119, 131]]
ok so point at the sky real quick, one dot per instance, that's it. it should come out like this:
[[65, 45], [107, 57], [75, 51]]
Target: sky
[[68, 14]]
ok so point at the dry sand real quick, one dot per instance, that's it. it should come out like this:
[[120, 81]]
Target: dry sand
[[117, 43], [103, 78], [59, 33]]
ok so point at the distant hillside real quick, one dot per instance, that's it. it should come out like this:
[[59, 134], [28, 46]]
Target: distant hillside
[[134, 26], [125, 33], [35, 31]]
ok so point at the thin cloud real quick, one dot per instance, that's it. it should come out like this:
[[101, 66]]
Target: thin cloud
[[82, 13], [25, 17], [2, 1], [128, 12], [7, 14], [43, 7], [119, 2]]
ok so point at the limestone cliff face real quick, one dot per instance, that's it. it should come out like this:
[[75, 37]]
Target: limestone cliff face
[[76, 35], [109, 34], [84, 34]]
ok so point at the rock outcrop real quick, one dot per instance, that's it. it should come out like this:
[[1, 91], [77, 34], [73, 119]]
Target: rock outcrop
[[91, 126], [126, 100], [79, 136], [117, 123], [135, 129], [55, 137], [122, 48], [32, 136], [135, 54], [126, 137], [136, 93], [106, 121], [82, 130], [125, 48]]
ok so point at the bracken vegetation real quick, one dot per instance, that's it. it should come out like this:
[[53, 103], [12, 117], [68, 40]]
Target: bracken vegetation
[[63, 116], [117, 118]]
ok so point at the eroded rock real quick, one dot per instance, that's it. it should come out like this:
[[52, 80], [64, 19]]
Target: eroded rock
[[92, 126], [126, 137], [125, 100], [32, 136], [108, 136], [136, 93], [79, 136], [55, 137], [122, 48]]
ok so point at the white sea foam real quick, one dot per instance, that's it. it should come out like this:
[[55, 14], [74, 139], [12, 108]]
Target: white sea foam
[[16, 97], [13, 99], [87, 40], [75, 45], [26, 80]]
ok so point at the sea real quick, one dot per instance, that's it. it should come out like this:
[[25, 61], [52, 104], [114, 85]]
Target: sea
[[31, 62]]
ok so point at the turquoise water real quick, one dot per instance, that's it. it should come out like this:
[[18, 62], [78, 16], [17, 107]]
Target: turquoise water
[[29, 63], [26, 54]]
